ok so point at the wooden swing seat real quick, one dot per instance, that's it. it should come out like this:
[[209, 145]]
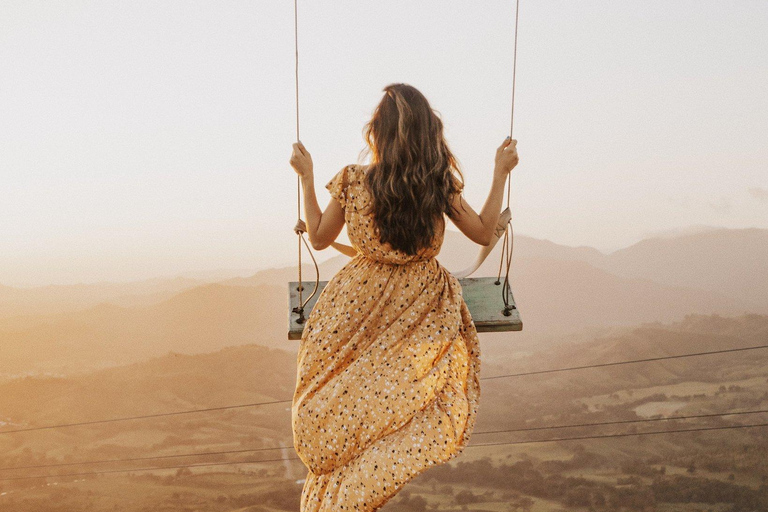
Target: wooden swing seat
[[481, 294]]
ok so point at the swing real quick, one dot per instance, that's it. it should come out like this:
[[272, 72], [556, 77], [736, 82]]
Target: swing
[[485, 310], [489, 314]]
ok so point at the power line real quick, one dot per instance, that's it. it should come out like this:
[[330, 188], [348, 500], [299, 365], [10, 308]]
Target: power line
[[109, 471], [143, 417], [626, 434], [132, 459], [575, 438], [528, 429], [621, 422], [633, 361]]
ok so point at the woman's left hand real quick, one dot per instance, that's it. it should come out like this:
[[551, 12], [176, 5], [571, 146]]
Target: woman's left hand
[[301, 160]]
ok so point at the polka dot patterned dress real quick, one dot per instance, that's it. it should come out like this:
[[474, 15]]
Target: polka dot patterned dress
[[388, 364]]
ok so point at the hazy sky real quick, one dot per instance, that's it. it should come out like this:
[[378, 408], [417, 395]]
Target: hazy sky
[[140, 139]]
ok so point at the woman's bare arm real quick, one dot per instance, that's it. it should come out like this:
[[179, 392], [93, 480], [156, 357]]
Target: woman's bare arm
[[344, 249], [322, 226], [480, 227]]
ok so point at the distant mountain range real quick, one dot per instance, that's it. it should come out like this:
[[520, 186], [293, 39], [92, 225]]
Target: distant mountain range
[[731, 262], [559, 290], [200, 319], [60, 298]]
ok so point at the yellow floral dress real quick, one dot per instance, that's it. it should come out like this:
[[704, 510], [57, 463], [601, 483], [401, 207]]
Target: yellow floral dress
[[387, 382]]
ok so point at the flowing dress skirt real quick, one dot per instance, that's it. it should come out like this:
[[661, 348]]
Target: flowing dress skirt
[[387, 382]]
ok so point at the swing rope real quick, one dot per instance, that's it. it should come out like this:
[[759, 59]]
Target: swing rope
[[508, 244], [300, 227]]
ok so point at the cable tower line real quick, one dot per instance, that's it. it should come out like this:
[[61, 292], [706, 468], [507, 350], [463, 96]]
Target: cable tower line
[[625, 434], [528, 429], [143, 417], [632, 361], [110, 471], [133, 459], [622, 422], [509, 443]]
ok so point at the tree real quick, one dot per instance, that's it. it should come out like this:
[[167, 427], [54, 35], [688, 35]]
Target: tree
[[578, 497], [466, 497], [416, 504]]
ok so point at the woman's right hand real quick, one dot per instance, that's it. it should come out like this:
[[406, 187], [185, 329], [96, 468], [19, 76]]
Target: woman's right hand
[[506, 157], [301, 161]]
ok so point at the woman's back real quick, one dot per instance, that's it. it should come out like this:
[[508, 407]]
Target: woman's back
[[348, 187]]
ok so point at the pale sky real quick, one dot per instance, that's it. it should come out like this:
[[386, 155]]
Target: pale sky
[[142, 139]]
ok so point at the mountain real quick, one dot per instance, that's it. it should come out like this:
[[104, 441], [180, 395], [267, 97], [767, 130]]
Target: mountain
[[558, 297], [202, 319], [283, 275], [725, 262], [61, 298], [560, 289], [729, 261], [733, 262], [171, 382]]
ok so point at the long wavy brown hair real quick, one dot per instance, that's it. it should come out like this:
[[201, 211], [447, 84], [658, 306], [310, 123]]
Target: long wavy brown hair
[[413, 175]]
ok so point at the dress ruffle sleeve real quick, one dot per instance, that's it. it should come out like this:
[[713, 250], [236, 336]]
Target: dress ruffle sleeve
[[338, 186]]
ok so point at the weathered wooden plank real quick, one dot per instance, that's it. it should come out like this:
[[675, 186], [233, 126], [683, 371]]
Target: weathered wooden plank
[[482, 295]]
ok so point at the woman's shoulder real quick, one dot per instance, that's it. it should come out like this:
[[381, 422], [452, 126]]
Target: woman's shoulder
[[357, 191], [348, 186], [356, 173], [358, 169]]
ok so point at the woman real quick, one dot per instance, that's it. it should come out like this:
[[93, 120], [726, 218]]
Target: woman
[[388, 364]]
